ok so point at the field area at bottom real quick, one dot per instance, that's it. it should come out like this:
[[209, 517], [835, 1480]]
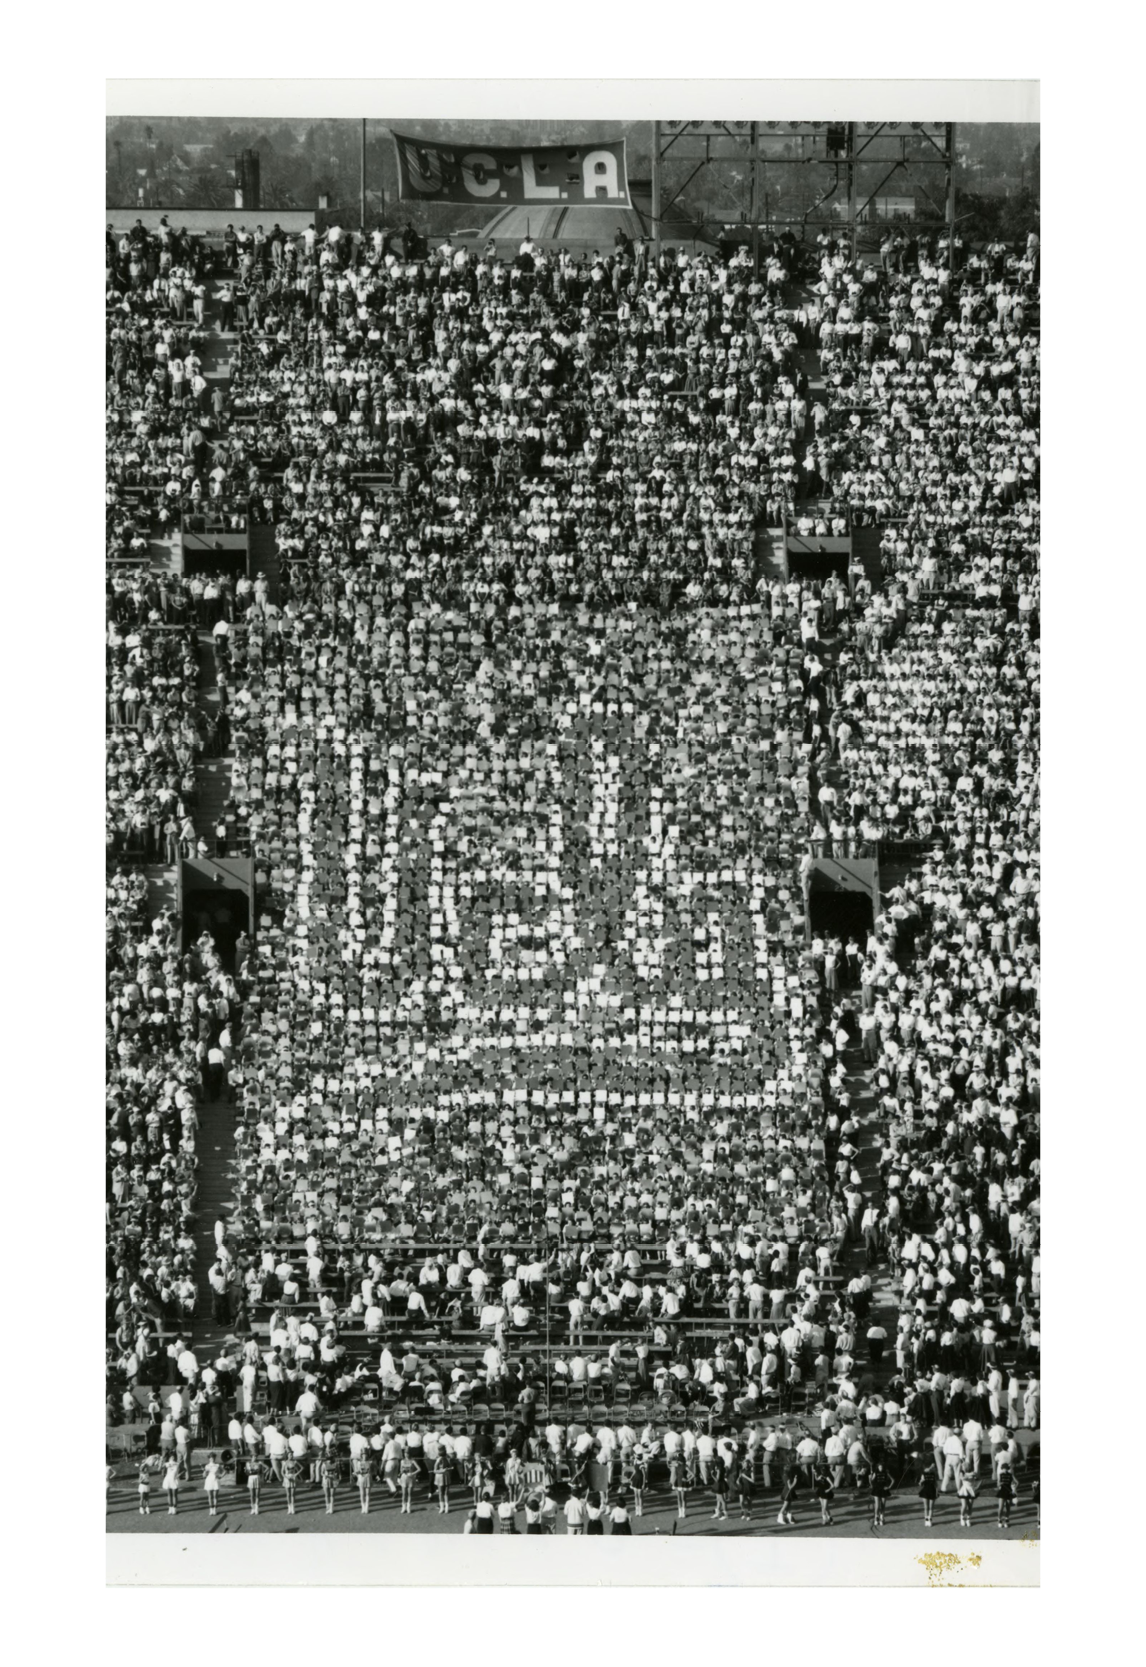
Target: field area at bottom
[[852, 1516]]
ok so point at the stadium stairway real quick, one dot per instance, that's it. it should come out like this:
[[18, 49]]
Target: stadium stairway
[[165, 554], [264, 557], [770, 555], [215, 1142], [212, 777], [216, 351], [868, 1141], [893, 874], [808, 361], [165, 550], [865, 544], [215, 1145], [161, 888]]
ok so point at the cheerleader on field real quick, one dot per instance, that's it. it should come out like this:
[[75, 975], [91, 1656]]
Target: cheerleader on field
[[788, 1491], [745, 1486], [442, 1471], [328, 1476], [639, 1482], [211, 1473], [407, 1476], [363, 1477], [678, 1482], [291, 1471], [720, 1491], [171, 1486], [254, 1484], [825, 1493], [968, 1488]]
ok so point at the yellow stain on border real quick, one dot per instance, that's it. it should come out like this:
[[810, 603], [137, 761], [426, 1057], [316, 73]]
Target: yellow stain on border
[[940, 1565]]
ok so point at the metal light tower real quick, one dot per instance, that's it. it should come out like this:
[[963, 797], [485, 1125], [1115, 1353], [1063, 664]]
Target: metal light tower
[[837, 175]]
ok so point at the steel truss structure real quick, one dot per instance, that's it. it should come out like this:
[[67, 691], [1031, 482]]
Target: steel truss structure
[[802, 176]]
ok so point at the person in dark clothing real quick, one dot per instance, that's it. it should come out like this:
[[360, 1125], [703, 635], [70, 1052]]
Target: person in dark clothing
[[1005, 1488], [881, 1485], [824, 1491]]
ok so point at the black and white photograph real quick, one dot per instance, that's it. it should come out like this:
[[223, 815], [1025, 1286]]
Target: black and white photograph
[[573, 826]]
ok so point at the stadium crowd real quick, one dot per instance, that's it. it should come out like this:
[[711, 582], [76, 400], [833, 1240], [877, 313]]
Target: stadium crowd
[[162, 414], [605, 1470], [529, 1052], [153, 736]]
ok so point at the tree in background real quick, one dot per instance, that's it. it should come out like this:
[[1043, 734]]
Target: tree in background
[[189, 161], [984, 218]]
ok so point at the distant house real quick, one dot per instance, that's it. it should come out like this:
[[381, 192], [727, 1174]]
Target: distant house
[[881, 208], [892, 208]]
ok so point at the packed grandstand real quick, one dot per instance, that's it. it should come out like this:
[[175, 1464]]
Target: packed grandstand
[[575, 1155]]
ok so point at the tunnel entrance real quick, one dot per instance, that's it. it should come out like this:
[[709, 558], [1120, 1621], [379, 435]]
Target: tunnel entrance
[[843, 896], [841, 914]]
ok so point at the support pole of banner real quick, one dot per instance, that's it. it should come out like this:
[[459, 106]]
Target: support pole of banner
[[853, 192], [949, 147], [756, 199], [656, 190], [362, 179]]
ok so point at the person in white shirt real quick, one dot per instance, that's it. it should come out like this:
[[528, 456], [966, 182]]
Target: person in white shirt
[[807, 1456], [952, 1461], [275, 1444], [315, 1450], [688, 1452], [973, 1434], [705, 1453], [583, 1448], [835, 1453], [607, 1444], [307, 1407], [463, 1454], [772, 1453]]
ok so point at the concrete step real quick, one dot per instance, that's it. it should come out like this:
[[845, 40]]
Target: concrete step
[[215, 1145], [771, 555], [165, 555], [265, 558], [808, 359], [207, 677], [868, 1141], [161, 889], [213, 781], [866, 545], [214, 800]]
